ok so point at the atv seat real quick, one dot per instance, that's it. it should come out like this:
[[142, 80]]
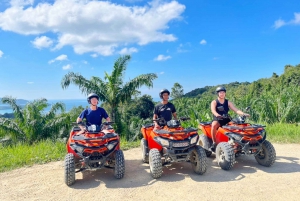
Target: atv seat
[[148, 125], [205, 123], [76, 128]]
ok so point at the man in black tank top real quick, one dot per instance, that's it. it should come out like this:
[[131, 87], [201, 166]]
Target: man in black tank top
[[219, 108], [164, 109]]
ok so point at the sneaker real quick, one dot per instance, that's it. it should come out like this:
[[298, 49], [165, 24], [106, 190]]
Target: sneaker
[[213, 146]]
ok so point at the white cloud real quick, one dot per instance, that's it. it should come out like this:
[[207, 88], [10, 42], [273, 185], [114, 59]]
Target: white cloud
[[162, 58], [85, 62], [42, 42], [67, 67], [133, 1], [161, 73], [21, 3], [100, 27], [183, 47], [59, 58], [30, 82], [94, 55], [297, 19], [203, 42], [1, 53], [279, 23], [128, 50], [215, 58]]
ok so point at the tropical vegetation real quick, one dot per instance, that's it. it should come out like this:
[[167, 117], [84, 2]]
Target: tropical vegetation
[[31, 124], [274, 101], [112, 90]]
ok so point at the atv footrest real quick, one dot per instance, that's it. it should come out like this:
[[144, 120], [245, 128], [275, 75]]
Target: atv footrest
[[205, 123]]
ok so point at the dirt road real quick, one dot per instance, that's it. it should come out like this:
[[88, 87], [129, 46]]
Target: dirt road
[[246, 181]]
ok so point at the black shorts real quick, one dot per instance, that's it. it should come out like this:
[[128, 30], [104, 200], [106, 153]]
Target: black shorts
[[222, 122]]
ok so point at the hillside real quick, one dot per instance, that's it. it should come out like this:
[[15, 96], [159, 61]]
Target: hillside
[[18, 101], [290, 77]]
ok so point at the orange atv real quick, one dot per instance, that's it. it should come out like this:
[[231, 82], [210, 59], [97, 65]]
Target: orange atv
[[97, 147], [172, 143], [237, 138]]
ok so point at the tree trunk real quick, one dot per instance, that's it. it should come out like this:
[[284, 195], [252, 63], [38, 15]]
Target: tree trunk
[[113, 114]]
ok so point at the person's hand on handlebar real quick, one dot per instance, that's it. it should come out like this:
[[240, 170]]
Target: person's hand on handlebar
[[156, 126], [246, 115], [219, 117], [82, 126]]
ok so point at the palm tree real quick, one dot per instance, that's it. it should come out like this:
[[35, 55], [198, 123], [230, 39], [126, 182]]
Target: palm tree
[[31, 123], [112, 90]]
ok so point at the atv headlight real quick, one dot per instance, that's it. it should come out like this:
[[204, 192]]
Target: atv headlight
[[163, 142], [194, 139], [79, 149], [111, 145], [235, 136], [262, 132]]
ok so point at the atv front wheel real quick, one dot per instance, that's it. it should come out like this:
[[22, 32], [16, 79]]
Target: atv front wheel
[[267, 155], [69, 169], [199, 160], [119, 169], [155, 163], [225, 155], [144, 146], [204, 142]]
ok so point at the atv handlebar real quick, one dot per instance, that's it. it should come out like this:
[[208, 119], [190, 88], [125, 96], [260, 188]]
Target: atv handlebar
[[84, 124], [107, 123], [104, 125], [224, 116], [181, 119], [184, 118], [172, 123]]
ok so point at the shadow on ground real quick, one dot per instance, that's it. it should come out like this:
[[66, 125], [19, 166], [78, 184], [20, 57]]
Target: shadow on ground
[[137, 174]]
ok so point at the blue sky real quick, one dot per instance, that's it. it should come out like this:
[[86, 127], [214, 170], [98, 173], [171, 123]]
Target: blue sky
[[194, 43]]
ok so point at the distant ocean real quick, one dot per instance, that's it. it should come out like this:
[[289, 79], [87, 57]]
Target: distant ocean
[[69, 104]]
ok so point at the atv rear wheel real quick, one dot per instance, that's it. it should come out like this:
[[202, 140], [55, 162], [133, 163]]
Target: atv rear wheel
[[155, 163], [144, 147], [199, 160], [119, 169], [69, 169], [225, 155], [204, 142], [267, 155]]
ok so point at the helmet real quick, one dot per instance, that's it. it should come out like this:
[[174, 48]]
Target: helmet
[[163, 91], [92, 95], [220, 88]]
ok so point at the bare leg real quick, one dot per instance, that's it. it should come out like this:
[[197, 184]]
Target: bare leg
[[214, 127]]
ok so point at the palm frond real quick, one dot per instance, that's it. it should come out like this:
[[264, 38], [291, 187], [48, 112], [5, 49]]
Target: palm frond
[[100, 88], [119, 69], [10, 128], [16, 108], [131, 86], [53, 127], [54, 108], [77, 79]]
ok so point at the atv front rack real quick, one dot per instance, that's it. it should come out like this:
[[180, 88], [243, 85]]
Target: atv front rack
[[83, 137], [246, 128], [184, 131]]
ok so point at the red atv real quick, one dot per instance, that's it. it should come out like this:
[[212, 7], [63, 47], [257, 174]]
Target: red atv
[[97, 147], [172, 143], [237, 138]]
